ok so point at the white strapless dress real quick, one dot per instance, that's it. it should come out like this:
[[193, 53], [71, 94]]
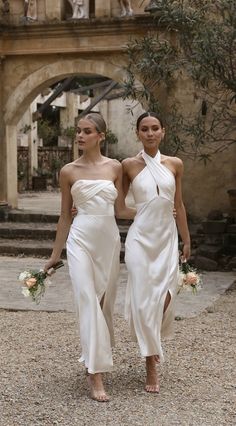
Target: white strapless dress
[[93, 252], [152, 256]]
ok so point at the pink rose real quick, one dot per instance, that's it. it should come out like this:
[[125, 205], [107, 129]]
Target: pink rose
[[30, 282], [191, 278]]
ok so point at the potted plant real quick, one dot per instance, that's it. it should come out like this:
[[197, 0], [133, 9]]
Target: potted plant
[[20, 180], [56, 165], [39, 180], [110, 139]]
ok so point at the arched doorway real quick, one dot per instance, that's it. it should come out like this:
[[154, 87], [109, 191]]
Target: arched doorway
[[26, 92]]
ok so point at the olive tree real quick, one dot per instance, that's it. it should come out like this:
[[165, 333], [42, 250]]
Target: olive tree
[[196, 38]]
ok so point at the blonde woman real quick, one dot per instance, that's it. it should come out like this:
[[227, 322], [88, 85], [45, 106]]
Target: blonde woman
[[93, 183]]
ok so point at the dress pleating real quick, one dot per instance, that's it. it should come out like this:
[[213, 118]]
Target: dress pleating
[[152, 257], [93, 252]]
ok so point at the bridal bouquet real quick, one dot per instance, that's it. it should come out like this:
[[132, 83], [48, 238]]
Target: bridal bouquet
[[34, 282], [189, 279]]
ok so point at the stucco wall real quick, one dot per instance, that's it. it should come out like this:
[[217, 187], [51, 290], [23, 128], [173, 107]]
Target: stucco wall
[[205, 187], [122, 124]]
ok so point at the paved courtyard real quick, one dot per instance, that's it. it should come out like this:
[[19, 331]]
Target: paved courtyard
[[42, 382]]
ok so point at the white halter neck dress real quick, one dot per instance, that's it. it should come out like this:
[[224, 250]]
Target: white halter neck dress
[[93, 250], [152, 256]]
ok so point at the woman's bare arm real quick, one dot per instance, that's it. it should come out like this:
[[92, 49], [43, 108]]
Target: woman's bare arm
[[64, 222], [121, 211], [125, 178], [181, 218]]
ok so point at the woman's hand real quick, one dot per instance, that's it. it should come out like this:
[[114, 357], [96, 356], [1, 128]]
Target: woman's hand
[[50, 263], [186, 252], [74, 211], [174, 213]]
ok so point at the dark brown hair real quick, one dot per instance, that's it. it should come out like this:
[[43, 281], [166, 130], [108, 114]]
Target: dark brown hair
[[148, 114]]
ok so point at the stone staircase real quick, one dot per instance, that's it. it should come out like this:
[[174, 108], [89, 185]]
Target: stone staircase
[[32, 234], [25, 233], [216, 248]]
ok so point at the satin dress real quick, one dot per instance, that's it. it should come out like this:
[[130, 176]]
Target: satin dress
[[152, 257], [93, 252]]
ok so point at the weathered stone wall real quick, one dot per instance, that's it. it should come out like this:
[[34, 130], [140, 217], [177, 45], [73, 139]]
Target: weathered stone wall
[[122, 123], [61, 10], [17, 11], [137, 9], [35, 56], [205, 187]]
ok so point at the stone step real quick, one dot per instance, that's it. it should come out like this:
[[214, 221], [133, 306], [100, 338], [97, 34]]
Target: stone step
[[230, 249], [30, 230], [212, 252], [24, 216], [47, 231], [28, 247], [214, 226], [229, 244], [231, 229], [231, 239], [38, 231]]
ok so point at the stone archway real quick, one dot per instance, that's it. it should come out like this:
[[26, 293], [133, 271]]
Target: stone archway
[[31, 86], [26, 92]]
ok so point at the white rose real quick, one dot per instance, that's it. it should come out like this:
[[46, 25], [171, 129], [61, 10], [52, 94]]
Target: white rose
[[25, 292], [181, 279], [24, 275]]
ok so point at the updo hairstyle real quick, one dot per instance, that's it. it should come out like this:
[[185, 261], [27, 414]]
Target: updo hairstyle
[[148, 114], [98, 120]]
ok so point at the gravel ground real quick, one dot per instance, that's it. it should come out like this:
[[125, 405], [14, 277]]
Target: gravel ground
[[43, 384]]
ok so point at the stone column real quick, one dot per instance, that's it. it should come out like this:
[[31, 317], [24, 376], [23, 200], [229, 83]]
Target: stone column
[[68, 114], [68, 118], [102, 8], [75, 150], [3, 195], [104, 110], [3, 166], [33, 141], [10, 167], [8, 153], [54, 9]]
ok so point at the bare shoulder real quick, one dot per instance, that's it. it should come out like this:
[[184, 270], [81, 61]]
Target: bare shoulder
[[66, 171], [130, 162], [179, 167], [66, 168], [175, 163], [115, 164]]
